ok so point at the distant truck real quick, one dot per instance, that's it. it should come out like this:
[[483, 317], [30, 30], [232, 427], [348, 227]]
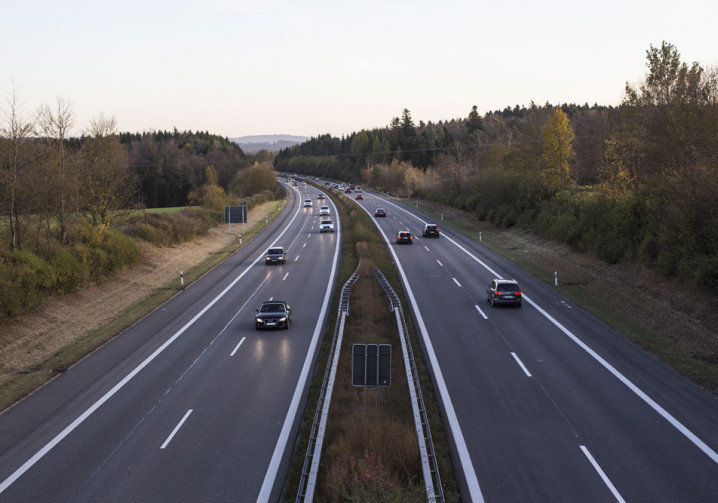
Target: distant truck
[[275, 255]]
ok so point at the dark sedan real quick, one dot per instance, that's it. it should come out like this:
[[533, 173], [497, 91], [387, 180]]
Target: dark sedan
[[273, 314], [380, 212]]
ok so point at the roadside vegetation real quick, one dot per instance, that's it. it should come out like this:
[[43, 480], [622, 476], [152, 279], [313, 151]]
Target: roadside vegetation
[[634, 183], [373, 458], [70, 206]]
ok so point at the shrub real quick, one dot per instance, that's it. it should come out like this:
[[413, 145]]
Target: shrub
[[25, 280], [121, 250], [69, 272]]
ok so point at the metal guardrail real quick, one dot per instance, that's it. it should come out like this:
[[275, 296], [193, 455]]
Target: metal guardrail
[[435, 492], [307, 482], [432, 479]]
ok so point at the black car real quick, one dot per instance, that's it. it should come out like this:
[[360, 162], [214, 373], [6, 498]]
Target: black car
[[404, 237], [504, 291], [273, 314], [430, 231], [380, 212], [275, 255]]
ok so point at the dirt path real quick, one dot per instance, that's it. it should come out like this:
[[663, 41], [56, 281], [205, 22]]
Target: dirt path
[[31, 338]]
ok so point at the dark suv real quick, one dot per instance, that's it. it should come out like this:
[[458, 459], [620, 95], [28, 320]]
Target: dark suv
[[404, 237], [431, 231], [273, 314], [504, 291]]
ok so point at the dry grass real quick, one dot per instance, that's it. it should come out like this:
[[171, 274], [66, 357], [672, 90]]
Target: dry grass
[[30, 343], [368, 454]]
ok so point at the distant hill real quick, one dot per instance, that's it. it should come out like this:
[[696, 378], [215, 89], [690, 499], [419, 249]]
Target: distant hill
[[271, 142]]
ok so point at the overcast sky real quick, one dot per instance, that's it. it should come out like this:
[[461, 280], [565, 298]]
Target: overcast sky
[[235, 67]]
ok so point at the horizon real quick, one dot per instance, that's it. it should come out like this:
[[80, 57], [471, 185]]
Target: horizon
[[312, 67]]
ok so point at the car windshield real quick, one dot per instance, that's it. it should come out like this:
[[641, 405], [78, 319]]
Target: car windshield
[[507, 287], [271, 308], [274, 251]]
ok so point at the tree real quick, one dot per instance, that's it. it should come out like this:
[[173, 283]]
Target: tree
[[474, 122], [16, 153], [558, 152], [107, 184], [56, 126], [360, 147]]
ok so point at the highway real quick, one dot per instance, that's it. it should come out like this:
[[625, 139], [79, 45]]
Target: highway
[[191, 403], [545, 402]]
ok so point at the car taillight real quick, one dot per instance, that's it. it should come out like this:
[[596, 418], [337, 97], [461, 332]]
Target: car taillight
[[518, 293]]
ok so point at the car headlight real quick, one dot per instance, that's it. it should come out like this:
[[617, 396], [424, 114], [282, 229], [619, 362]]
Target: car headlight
[[283, 319], [258, 320]]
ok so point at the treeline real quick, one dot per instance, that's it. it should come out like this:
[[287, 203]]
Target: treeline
[[345, 158], [64, 198], [634, 182], [170, 165]]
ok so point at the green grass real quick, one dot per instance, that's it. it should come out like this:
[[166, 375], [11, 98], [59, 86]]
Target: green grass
[[174, 209]]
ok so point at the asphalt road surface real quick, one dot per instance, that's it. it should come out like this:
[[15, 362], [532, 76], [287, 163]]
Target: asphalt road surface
[[191, 403], [546, 402]]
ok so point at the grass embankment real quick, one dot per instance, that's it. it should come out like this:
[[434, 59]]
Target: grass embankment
[[372, 458], [674, 322], [30, 378]]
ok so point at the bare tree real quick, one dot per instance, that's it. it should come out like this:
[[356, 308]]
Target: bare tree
[[56, 126], [15, 133]]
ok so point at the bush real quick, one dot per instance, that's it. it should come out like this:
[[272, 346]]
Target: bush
[[165, 229], [121, 250], [69, 272], [25, 280]]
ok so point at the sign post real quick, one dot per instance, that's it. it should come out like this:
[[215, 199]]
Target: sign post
[[235, 215]]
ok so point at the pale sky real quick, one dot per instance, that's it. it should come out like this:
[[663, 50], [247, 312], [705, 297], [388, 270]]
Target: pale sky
[[236, 68]]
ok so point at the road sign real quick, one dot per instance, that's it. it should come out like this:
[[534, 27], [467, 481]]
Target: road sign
[[371, 365], [236, 214]]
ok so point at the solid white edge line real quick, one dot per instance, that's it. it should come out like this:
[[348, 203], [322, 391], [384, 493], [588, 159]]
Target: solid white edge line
[[692, 437], [481, 311], [521, 364], [467, 465], [273, 469], [237, 347], [603, 476], [117, 387], [174, 432]]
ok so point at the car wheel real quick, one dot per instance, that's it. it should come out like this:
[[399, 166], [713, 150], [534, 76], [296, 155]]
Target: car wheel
[[493, 302]]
